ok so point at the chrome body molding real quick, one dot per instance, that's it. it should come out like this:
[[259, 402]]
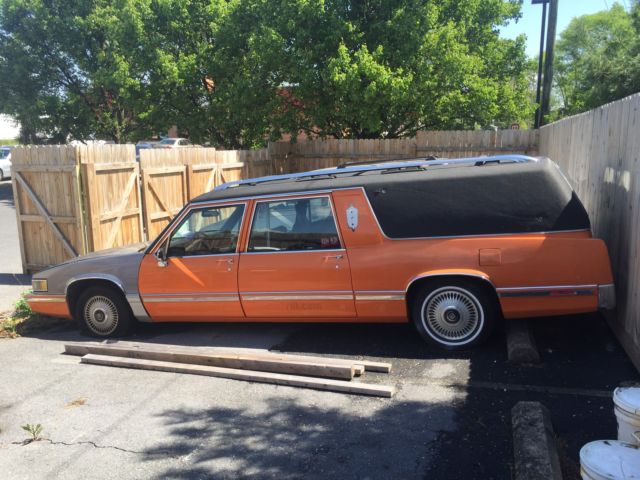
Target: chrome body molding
[[449, 274], [94, 276], [607, 296], [548, 291], [190, 297], [37, 297], [137, 308], [392, 295], [279, 296]]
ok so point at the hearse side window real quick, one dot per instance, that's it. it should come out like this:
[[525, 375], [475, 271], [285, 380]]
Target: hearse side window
[[207, 231], [293, 225]]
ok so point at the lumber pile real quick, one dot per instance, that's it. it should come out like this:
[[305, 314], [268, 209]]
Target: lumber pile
[[253, 365]]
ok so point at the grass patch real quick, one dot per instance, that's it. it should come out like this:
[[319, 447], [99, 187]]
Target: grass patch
[[9, 141], [23, 321]]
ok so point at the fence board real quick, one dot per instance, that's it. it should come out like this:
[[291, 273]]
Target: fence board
[[48, 205], [600, 152]]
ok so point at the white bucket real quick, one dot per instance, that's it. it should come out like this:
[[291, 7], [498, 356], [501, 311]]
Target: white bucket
[[609, 460], [627, 409]]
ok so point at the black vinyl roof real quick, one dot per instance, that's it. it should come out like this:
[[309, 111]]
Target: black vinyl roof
[[334, 179], [445, 200]]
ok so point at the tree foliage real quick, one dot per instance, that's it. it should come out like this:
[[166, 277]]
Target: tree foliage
[[238, 72], [598, 59]]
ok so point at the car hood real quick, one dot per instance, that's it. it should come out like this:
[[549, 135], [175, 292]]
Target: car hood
[[111, 252]]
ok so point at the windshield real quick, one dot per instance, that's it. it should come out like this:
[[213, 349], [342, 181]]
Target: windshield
[[4, 152]]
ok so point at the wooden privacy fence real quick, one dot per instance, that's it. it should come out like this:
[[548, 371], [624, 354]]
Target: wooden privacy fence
[[600, 152], [72, 200]]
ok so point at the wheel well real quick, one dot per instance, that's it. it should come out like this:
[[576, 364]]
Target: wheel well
[[76, 288], [486, 285]]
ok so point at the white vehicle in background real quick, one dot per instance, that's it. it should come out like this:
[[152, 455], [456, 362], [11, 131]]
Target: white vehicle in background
[[5, 163], [173, 143]]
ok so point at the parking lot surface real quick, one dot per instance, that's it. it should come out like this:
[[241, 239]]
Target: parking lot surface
[[450, 417]]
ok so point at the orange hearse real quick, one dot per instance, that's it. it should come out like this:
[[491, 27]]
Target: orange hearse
[[451, 245]]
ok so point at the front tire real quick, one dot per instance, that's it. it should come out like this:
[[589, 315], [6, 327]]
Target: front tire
[[454, 315], [103, 313]]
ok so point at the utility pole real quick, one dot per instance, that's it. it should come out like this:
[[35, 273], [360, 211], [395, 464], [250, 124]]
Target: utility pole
[[543, 24], [548, 60]]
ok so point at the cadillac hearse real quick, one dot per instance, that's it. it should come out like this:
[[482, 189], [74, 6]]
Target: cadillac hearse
[[451, 245]]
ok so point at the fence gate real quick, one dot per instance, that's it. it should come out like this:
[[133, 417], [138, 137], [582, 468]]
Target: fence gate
[[164, 188], [48, 205], [111, 187]]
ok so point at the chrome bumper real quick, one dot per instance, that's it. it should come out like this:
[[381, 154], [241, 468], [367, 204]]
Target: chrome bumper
[[607, 296]]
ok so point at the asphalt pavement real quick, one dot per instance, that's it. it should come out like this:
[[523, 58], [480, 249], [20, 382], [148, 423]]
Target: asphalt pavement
[[12, 281], [450, 417]]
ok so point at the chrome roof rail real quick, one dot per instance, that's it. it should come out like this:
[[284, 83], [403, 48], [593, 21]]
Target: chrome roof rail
[[382, 166]]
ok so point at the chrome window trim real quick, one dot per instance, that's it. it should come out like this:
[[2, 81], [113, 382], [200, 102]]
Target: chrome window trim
[[295, 251], [159, 241], [297, 196]]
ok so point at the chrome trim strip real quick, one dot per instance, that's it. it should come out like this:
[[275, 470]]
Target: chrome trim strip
[[546, 291], [250, 298], [153, 248], [297, 292], [137, 308], [296, 251], [197, 298], [360, 297], [192, 294], [47, 298], [449, 274], [294, 197], [546, 287]]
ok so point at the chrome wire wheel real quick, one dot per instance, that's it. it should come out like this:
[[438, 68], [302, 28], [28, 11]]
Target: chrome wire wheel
[[452, 316], [101, 315]]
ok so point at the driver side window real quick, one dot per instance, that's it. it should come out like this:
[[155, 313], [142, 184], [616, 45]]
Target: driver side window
[[207, 231]]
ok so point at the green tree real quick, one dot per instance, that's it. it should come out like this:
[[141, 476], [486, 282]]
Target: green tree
[[75, 68], [598, 59], [236, 73]]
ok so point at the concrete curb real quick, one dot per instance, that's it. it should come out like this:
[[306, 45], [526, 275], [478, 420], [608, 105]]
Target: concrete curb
[[534, 447], [521, 346]]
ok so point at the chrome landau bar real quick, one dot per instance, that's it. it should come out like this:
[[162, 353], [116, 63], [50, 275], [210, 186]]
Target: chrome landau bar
[[380, 166]]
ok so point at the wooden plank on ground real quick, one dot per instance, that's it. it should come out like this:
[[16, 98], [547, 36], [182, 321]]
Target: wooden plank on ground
[[369, 366], [247, 375], [227, 360]]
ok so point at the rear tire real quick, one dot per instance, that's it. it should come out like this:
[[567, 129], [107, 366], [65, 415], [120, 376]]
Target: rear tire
[[454, 315], [103, 313]]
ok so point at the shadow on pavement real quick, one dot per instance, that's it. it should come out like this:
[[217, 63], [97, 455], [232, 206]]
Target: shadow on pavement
[[15, 279], [6, 194], [289, 439]]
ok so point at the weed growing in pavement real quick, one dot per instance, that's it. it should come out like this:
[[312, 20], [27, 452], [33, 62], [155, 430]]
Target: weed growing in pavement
[[33, 429]]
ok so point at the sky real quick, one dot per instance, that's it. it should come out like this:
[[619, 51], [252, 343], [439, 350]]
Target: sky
[[529, 24], [8, 128]]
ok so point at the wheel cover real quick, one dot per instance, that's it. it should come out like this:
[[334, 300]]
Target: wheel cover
[[452, 316], [101, 315]]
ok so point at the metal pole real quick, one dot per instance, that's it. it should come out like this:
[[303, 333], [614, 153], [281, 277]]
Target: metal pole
[[547, 81], [538, 117]]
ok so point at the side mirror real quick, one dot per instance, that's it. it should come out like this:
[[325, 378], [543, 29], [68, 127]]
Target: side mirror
[[161, 256]]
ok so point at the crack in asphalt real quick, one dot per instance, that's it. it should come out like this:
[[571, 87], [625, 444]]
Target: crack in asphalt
[[93, 444]]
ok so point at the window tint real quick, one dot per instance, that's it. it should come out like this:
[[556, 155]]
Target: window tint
[[290, 225], [207, 231]]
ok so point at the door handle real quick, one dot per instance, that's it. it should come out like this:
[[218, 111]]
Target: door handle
[[228, 261], [336, 257]]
